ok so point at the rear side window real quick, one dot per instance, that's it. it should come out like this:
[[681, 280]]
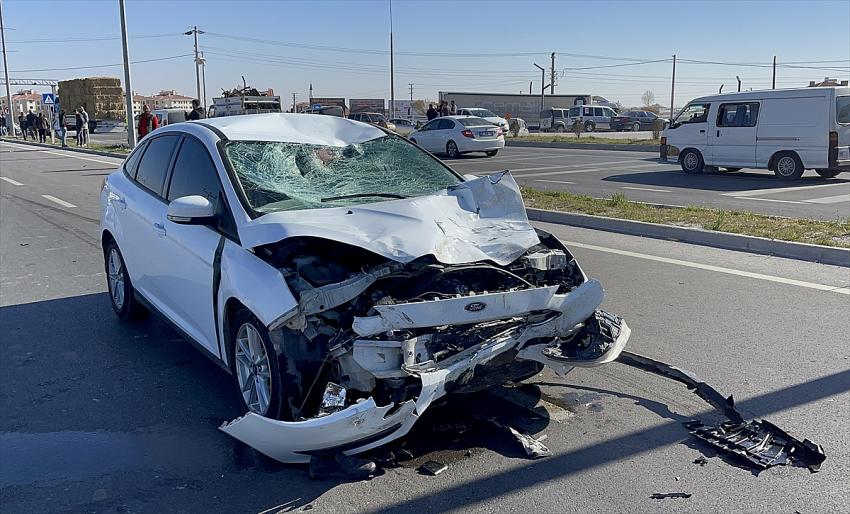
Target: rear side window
[[597, 111], [133, 161], [738, 115], [446, 124], [842, 109], [558, 114], [473, 122], [194, 173], [154, 164]]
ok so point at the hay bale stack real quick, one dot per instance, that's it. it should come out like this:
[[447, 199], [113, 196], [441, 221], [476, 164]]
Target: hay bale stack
[[102, 97]]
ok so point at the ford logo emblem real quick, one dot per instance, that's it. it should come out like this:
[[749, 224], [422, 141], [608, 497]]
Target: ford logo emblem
[[475, 306]]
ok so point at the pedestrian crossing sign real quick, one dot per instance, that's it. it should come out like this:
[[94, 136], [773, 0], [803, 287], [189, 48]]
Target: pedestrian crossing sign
[[47, 99]]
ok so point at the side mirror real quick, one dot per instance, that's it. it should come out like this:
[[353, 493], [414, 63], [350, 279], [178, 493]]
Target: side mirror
[[191, 210]]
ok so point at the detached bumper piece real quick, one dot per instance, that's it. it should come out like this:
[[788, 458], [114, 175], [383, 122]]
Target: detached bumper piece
[[760, 442]]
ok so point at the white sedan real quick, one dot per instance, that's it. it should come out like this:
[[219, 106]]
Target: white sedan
[[455, 135], [345, 278], [403, 126]]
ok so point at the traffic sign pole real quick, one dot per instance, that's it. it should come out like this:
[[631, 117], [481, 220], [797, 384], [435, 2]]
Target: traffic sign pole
[[48, 102]]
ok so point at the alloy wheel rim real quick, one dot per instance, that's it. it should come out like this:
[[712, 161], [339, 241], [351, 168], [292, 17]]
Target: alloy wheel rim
[[786, 166], [452, 149], [253, 369], [690, 161], [115, 274]]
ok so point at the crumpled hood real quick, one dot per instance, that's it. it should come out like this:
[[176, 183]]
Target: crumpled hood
[[481, 219]]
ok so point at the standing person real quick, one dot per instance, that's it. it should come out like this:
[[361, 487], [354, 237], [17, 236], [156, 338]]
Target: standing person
[[59, 127], [31, 124], [196, 113], [3, 125], [453, 108], [22, 122], [78, 126], [431, 113], [85, 128], [41, 127], [444, 110], [147, 122]]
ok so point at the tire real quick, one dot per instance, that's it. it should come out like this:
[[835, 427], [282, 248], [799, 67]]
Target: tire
[[491, 153], [788, 165], [589, 126], [451, 150], [828, 173], [692, 162], [256, 367], [636, 127], [560, 129], [122, 295]]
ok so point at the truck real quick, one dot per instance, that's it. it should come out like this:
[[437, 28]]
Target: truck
[[526, 107], [251, 104]]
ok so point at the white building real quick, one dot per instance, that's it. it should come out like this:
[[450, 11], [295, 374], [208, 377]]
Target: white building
[[23, 101]]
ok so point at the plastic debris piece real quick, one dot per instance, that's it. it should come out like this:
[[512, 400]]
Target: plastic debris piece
[[432, 468], [533, 447], [661, 496], [333, 399], [323, 467], [702, 461]]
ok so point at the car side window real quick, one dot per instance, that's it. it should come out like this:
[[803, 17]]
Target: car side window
[[446, 124], [133, 161], [597, 111], [194, 173], [588, 111], [738, 115], [154, 164]]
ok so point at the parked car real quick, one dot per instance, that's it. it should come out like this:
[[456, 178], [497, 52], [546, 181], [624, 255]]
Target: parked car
[[374, 118], [488, 115], [351, 288], [328, 110], [456, 135], [784, 130], [636, 120], [555, 119], [169, 116], [592, 117], [403, 126]]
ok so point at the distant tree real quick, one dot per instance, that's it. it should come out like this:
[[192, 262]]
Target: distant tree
[[648, 98], [419, 106]]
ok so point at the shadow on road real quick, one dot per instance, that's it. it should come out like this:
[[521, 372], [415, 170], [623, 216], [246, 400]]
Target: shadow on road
[[722, 182]]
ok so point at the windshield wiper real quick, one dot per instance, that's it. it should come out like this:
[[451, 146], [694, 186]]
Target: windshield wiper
[[363, 195]]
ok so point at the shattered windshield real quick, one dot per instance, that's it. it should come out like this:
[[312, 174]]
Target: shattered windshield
[[280, 176]]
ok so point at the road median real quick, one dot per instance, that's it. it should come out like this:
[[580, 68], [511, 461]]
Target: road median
[[117, 151], [585, 143], [827, 242]]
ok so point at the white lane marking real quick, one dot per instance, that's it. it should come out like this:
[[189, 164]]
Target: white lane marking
[[61, 202], [648, 189], [767, 199], [759, 192], [718, 269], [13, 182], [830, 199], [555, 181], [588, 170]]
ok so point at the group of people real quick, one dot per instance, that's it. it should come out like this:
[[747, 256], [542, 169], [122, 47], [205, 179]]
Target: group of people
[[148, 122], [443, 109], [34, 126]]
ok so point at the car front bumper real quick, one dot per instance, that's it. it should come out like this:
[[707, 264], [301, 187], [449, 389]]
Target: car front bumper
[[366, 425]]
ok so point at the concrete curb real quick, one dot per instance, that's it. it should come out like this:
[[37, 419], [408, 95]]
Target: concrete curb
[[585, 146], [67, 148], [761, 245]]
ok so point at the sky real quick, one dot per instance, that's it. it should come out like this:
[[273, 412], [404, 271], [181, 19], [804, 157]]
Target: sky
[[342, 47]]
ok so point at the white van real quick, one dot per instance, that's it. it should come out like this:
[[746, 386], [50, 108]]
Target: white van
[[783, 130]]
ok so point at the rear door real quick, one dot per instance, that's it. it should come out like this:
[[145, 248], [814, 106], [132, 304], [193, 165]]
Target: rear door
[[445, 131], [425, 136], [733, 138]]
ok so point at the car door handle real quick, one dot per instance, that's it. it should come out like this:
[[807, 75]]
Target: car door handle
[[718, 133], [159, 228], [702, 131]]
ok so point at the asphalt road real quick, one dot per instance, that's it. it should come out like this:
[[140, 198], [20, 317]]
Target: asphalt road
[[640, 176], [101, 416]]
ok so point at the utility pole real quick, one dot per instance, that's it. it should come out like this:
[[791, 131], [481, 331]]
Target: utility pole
[[739, 82], [203, 63], [311, 94], [411, 90], [542, 83], [195, 32], [673, 90], [392, 70], [552, 82], [128, 93], [9, 119], [529, 86], [773, 86], [293, 102]]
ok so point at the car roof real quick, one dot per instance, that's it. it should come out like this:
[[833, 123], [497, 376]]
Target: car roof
[[294, 128]]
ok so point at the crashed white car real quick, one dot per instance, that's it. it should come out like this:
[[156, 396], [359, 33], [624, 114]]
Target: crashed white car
[[344, 277]]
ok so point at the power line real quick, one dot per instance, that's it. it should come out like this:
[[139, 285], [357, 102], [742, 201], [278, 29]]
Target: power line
[[103, 65], [87, 39]]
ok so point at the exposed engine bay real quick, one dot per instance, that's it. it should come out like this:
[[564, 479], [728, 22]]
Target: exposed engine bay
[[374, 341]]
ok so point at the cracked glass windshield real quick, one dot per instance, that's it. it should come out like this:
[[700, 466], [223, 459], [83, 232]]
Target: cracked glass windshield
[[290, 176]]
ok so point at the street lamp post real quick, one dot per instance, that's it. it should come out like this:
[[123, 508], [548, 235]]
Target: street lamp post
[[131, 126], [9, 123]]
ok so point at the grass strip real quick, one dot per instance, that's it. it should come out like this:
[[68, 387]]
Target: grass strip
[[829, 233], [596, 140]]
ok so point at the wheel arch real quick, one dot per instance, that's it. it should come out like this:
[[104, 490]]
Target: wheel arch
[[771, 163], [685, 150], [106, 237], [231, 307]]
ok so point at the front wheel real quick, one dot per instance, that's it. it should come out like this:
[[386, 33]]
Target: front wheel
[[451, 150], [589, 126], [788, 165], [828, 173], [121, 293], [692, 162], [256, 367], [491, 153], [636, 127]]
